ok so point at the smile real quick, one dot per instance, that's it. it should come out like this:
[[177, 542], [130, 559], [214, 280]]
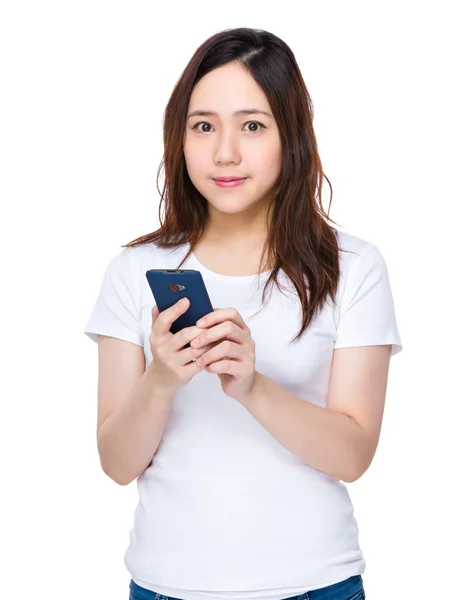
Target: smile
[[230, 184]]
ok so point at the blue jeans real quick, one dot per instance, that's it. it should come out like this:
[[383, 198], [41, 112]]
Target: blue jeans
[[349, 589]]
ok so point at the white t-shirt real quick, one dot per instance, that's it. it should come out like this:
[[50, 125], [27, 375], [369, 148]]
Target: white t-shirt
[[224, 510]]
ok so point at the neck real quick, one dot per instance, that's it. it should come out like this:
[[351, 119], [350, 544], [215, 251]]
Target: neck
[[236, 230]]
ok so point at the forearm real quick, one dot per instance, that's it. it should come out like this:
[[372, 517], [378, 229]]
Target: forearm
[[129, 438], [324, 439]]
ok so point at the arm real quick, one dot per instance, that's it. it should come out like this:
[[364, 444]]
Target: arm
[[133, 410], [340, 439]]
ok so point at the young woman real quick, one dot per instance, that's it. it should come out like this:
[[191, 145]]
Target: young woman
[[242, 443]]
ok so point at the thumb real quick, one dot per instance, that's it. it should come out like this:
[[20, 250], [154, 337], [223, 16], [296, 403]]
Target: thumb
[[154, 315]]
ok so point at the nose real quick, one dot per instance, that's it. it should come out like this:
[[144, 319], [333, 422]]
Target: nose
[[227, 148]]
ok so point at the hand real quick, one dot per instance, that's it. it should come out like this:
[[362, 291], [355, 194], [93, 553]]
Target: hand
[[172, 362], [233, 359]]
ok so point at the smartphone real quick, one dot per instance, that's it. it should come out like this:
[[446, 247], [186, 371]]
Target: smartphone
[[170, 285]]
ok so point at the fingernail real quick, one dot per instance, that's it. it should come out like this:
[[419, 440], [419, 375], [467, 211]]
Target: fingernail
[[200, 322], [183, 302]]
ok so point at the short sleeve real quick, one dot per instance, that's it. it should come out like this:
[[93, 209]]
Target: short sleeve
[[116, 312], [367, 312]]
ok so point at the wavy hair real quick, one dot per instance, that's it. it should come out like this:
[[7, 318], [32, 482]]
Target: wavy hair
[[300, 240]]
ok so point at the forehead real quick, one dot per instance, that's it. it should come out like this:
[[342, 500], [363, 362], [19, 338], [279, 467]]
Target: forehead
[[226, 90]]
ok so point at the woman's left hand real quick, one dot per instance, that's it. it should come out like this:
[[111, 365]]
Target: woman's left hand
[[234, 358]]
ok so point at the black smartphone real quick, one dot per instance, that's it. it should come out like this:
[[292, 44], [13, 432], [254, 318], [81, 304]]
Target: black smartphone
[[170, 285]]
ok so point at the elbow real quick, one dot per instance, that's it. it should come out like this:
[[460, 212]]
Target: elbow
[[112, 473], [118, 480], [351, 478], [356, 472], [363, 457], [123, 481]]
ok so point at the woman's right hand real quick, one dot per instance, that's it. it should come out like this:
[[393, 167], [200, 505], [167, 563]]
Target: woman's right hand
[[174, 364]]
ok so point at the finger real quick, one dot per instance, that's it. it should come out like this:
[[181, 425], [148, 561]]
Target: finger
[[227, 330], [168, 316], [187, 355], [229, 367], [192, 369], [223, 314], [224, 350], [183, 337], [154, 315]]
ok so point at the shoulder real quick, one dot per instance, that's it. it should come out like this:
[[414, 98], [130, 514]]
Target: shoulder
[[137, 260], [127, 266], [355, 251], [149, 255], [358, 257], [352, 247]]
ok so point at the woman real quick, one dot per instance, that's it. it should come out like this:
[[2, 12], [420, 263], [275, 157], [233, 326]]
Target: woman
[[242, 444]]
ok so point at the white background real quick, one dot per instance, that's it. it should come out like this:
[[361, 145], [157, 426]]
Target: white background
[[84, 89]]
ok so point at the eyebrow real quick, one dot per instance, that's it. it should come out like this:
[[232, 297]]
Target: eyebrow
[[238, 113]]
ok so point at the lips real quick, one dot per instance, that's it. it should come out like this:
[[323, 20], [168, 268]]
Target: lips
[[229, 182]]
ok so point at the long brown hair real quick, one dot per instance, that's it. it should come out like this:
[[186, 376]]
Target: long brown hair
[[300, 241]]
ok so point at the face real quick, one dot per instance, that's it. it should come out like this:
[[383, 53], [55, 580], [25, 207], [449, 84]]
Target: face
[[227, 144]]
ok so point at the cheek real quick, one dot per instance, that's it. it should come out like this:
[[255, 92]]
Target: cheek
[[266, 156], [267, 163], [196, 161]]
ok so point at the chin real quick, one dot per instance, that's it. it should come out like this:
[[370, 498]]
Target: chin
[[229, 209]]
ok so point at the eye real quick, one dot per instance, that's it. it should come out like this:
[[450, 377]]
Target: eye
[[256, 123], [261, 126]]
